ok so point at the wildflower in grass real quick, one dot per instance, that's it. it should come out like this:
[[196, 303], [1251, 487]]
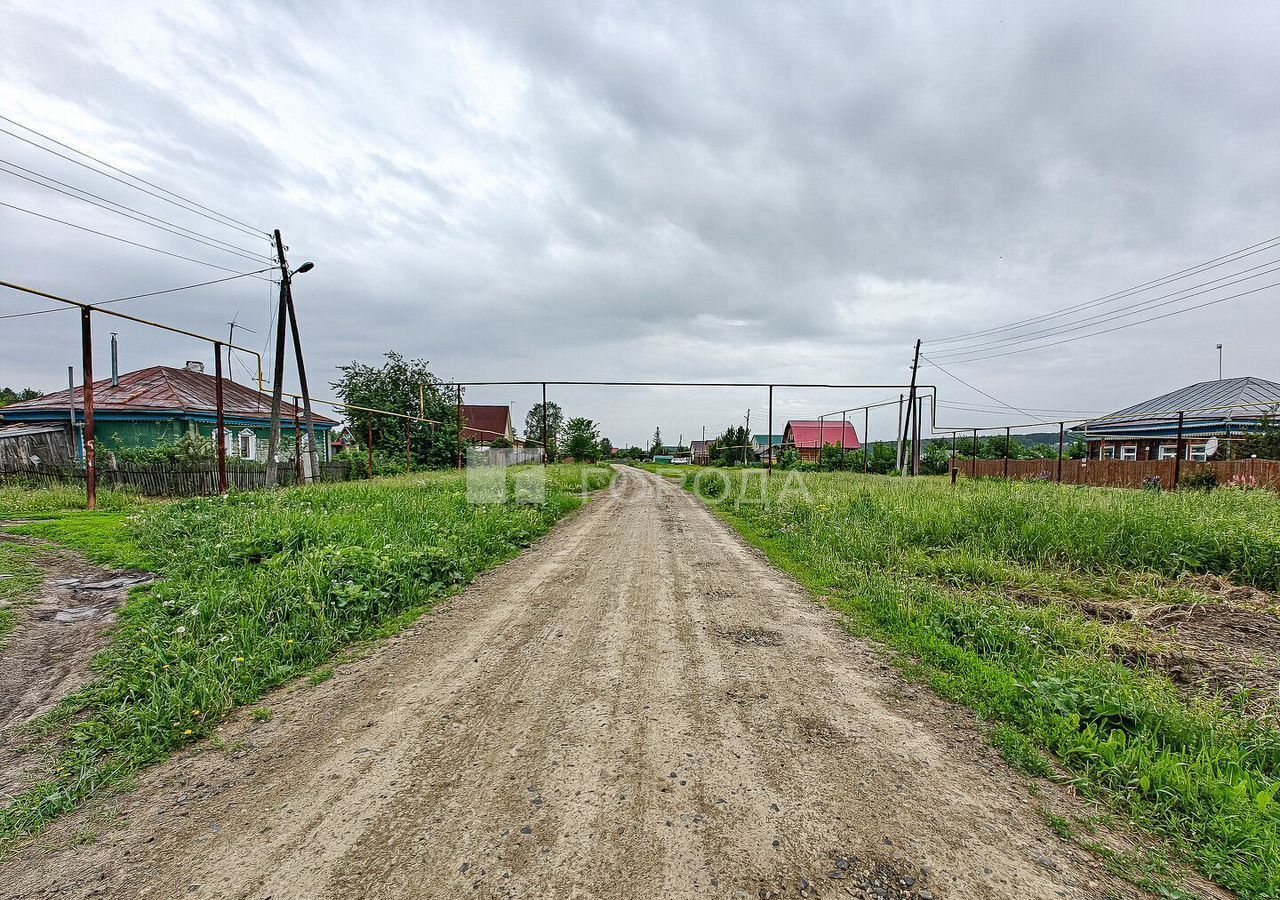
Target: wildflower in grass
[[239, 659], [186, 732], [180, 630], [196, 712]]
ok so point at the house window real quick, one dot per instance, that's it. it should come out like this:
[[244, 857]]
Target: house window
[[1168, 451], [1129, 452], [1109, 453], [1196, 452], [248, 444]]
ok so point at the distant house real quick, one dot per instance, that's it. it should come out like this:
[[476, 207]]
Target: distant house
[[1225, 409], [763, 445], [808, 436], [159, 404], [484, 424], [700, 452]]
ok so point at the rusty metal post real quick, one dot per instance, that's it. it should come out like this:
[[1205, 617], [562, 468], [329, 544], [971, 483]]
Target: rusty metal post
[[90, 444], [1062, 430], [955, 464], [546, 438], [844, 427], [219, 438], [822, 442], [866, 446], [975, 453], [1177, 454], [768, 437], [459, 426], [370, 445], [1006, 453], [408, 446]]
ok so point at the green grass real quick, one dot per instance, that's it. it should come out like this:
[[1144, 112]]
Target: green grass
[[258, 589], [27, 502], [931, 571], [19, 579]]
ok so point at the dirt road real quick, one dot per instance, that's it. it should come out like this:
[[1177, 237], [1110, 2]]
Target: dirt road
[[638, 707]]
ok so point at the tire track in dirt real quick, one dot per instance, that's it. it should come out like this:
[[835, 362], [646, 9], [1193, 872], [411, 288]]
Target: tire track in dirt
[[522, 742]]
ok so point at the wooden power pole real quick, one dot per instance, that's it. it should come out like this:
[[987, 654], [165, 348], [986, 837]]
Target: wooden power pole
[[908, 432], [277, 378]]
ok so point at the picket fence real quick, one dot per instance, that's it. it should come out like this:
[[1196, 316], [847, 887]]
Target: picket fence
[[168, 479]]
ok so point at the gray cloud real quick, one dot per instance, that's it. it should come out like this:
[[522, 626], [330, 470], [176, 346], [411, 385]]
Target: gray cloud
[[718, 192]]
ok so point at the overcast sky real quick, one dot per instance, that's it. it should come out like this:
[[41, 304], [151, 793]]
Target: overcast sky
[[718, 192]]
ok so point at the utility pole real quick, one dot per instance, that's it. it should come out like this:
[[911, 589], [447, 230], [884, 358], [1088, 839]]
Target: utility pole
[[744, 442], [897, 450], [277, 379], [302, 383], [231, 339], [911, 409]]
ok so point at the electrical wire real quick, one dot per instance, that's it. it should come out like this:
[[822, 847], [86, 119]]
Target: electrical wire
[[1233, 256], [185, 287], [208, 213], [978, 389], [1103, 318], [129, 212], [116, 237], [1078, 337]]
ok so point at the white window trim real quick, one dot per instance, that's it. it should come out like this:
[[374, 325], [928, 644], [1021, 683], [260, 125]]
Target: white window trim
[[253, 444], [228, 445], [1167, 451], [1109, 451], [1129, 452], [1195, 453]]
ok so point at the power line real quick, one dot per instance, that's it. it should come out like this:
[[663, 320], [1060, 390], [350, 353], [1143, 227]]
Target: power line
[[128, 212], [185, 287], [1109, 330], [116, 237], [1154, 303], [1234, 255], [978, 389], [187, 204]]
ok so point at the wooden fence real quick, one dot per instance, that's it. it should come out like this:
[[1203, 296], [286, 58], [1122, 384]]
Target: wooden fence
[[1261, 473], [172, 480]]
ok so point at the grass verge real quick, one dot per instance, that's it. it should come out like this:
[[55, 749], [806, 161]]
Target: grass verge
[[257, 589], [933, 572]]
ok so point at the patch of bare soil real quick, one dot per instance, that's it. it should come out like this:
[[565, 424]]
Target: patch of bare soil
[[583, 723], [1226, 645], [47, 655]]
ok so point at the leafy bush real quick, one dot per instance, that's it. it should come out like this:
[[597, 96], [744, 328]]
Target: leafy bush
[[1199, 480]]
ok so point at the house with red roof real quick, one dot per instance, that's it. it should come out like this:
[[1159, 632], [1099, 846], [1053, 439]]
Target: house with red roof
[[162, 404], [483, 424], [809, 436]]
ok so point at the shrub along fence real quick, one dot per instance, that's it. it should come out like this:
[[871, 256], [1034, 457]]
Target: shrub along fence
[[1261, 473], [173, 479]]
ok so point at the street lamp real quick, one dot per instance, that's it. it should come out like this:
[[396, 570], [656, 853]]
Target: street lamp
[[305, 267], [1219, 362]]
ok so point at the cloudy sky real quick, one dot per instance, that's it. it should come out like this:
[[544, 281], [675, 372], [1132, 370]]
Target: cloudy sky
[[703, 192]]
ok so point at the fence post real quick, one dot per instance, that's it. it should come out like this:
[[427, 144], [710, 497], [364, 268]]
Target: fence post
[[90, 444], [297, 448], [1062, 429], [370, 445], [975, 453], [955, 464], [459, 426], [769, 459], [408, 447], [1006, 453], [1177, 454], [220, 443], [866, 446]]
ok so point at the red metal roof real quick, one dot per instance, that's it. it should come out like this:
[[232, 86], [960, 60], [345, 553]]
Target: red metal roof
[[486, 423], [164, 389], [815, 433]]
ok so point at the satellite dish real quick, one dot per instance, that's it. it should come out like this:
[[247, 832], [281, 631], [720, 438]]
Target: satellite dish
[[1211, 446]]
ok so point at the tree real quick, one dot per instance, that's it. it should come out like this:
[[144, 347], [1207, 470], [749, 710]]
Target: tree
[[606, 448], [9, 395], [1263, 443], [394, 387], [555, 425], [728, 448], [582, 440], [655, 446]]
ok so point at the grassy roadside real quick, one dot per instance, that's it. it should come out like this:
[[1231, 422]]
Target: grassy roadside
[[257, 589], [942, 575]]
